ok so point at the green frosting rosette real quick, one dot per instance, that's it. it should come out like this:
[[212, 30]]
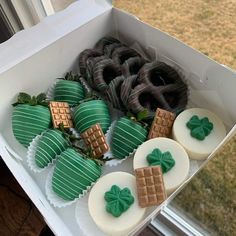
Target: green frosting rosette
[[69, 90], [199, 128], [44, 149], [90, 113], [165, 159], [30, 117], [127, 136], [118, 200], [73, 175]]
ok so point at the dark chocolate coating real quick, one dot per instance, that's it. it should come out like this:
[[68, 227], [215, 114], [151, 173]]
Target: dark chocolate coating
[[109, 49], [104, 72], [113, 92], [84, 56], [121, 54], [158, 74], [91, 62], [169, 98], [104, 42], [127, 86], [132, 66]]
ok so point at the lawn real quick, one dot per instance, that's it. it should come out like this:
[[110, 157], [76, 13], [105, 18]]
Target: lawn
[[207, 25]]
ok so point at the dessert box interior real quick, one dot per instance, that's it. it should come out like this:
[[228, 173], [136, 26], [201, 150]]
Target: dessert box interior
[[34, 68]]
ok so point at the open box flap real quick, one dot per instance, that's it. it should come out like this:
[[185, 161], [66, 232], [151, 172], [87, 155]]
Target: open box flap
[[27, 42]]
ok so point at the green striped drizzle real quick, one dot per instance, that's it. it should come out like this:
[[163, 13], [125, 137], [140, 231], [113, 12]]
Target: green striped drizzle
[[73, 174], [127, 136], [29, 121], [68, 91], [89, 113], [51, 144]]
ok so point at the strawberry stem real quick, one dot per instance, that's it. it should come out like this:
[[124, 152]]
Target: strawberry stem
[[24, 98]]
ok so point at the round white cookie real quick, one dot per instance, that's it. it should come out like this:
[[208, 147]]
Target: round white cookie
[[178, 173], [198, 149], [97, 205]]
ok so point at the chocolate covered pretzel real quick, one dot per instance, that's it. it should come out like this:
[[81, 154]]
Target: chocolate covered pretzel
[[103, 42], [121, 54], [146, 97], [113, 92], [132, 66], [127, 86], [91, 62], [84, 56], [104, 72], [109, 49]]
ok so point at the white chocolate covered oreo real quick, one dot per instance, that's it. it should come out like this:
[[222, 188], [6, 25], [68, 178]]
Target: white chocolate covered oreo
[[199, 131], [170, 155], [101, 207]]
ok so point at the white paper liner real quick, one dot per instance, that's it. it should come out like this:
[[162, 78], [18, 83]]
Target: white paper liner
[[31, 155], [82, 216], [54, 199]]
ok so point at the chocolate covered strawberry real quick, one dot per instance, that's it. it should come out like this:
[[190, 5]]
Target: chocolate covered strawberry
[[74, 174], [51, 143], [128, 134], [69, 90], [90, 113], [30, 117]]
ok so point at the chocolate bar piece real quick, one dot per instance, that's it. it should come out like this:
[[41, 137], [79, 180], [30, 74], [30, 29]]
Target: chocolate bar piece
[[162, 124], [95, 139], [150, 186], [60, 112]]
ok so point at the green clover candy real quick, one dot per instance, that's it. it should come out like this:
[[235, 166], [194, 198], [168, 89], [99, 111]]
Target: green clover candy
[[165, 160], [200, 128], [118, 201]]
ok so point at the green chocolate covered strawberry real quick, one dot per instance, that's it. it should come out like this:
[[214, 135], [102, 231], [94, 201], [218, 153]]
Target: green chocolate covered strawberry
[[90, 113], [74, 174], [127, 136], [51, 144], [69, 90], [30, 117]]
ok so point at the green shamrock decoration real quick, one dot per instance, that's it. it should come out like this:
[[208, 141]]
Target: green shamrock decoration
[[165, 159], [200, 128], [118, 201]]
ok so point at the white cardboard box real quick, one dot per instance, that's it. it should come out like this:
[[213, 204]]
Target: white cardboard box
[[32, 59]]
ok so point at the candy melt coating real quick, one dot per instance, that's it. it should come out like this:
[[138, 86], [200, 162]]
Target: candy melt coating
[[51, 144], [198, 149], [29, 121], [90, 113], [68, 91], [127, 136], [178, 173], [117, 226], [73, 174]]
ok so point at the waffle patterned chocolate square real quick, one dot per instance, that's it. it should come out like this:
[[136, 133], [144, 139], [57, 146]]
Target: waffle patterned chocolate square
[[150, 186], [95, 139], [162, 124], [61, 114]]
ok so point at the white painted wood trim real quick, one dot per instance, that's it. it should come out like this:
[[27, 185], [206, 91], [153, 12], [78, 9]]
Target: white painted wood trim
[[47, 5]]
